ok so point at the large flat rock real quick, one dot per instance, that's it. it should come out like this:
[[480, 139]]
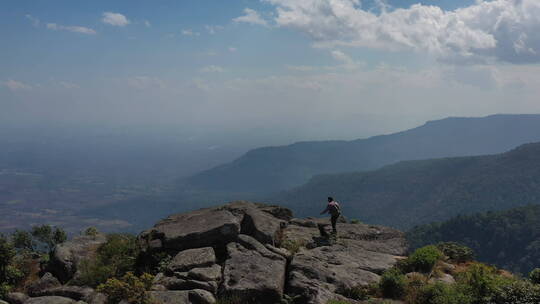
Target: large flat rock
[[253, 273], [202, 228], [50, 300], [193, 258]]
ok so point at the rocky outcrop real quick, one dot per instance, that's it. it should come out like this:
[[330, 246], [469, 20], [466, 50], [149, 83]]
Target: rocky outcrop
[[253, 272], [257, 253], [68, 256], [45, 282]]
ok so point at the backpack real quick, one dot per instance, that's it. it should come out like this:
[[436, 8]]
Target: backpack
[[333, 208]]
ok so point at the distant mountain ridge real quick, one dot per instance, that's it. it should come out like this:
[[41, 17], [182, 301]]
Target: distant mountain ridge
[[272, 169], [411, 193]]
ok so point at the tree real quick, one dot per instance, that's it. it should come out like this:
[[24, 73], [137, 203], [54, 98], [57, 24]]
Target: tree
[[47, 237], [22, 240], [7, 252]]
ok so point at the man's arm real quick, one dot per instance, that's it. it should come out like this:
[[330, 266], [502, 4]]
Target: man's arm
[[325, 210]]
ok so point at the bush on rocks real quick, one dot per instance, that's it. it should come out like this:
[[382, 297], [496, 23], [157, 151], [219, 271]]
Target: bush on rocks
[[456, 252], [131, 288], [422, 259], [393, 284]]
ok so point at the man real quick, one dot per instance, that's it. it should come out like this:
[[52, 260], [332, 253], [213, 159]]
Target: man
[[334, 210]]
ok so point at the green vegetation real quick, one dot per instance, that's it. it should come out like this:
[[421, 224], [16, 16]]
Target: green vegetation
[[129, 287], [293, 246], [114, 259], [534, 276], [509, 239], [47, 237], [422, 259], [456, 252], [425, 191], [393, 283]]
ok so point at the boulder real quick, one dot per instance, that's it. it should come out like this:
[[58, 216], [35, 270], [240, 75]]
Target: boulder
[[262, 226], [252, 272], [50, 300], [182, 297], [16, 298], [212, 273], [324, 269], [192, 258], [443, 278], [73, 292], [47, 281], [184, 283], [201, 228], [67, 256]]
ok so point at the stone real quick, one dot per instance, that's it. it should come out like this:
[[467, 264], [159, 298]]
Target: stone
[[47, 281], [73, 292], [262, 226], [212, 273], [50, 300], [67, 256], [16, 298], [359, 255], [97, 298], [192, 258], [184, 283], [201, 228], [182, 297], [253, 272]]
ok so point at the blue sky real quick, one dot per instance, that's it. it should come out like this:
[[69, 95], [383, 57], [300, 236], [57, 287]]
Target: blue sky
[[320, 65]]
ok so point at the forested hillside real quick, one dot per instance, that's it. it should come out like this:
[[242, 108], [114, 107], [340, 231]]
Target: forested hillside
[[420, 192], [271, 169], [509, 239]]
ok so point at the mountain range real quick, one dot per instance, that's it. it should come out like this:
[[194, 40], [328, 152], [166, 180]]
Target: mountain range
[[270, 169]]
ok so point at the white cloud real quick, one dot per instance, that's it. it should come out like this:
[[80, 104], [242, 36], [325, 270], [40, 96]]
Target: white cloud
[[147, 23], [35, 21], [212, 69], [212, 29], [14, 85], [75, 29], [189, 32], [232, 49], [252, 17], [505, 30], [115, 19], [347, 62], [146, 82], [69, 85]]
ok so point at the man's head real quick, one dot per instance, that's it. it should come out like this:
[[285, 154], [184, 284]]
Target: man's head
[[330, 199]]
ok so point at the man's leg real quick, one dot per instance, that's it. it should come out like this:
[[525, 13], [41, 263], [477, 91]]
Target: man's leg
[[334, 221]]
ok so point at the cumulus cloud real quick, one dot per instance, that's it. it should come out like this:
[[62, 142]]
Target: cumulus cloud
[[232, 49], [189, 32], [505, 30], [147, 23], [69, 85], [251, 16], [114, 19], [14, 85], [35, 21], [75, 29], [146, 82], [212, 69]]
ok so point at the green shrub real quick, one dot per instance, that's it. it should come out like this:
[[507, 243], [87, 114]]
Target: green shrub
[[423, 259], [356, 292], [114, 259], [131, 288], [480, 282], [91, 231], [392, 284], [440, 293], [534, 276], [456, 252], [517, 291], [293, 246]]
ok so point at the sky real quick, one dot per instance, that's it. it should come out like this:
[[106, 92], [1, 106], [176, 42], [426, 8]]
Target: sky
[[319, 69]]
